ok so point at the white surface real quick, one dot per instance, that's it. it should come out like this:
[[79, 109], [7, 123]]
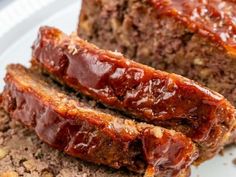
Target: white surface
[[19, 10], [15, 48]]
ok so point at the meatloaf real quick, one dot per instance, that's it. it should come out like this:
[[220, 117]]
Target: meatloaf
[[30, 157], [80, 130], [196, 39], [154, 96]]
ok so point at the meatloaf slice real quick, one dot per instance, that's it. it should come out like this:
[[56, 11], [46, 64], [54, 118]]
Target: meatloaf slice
[[80, 130], [29, 157], [196, 39], [150, 95]]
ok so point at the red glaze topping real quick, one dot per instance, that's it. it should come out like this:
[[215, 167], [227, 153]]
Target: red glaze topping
[[68, 125], [215, 19], [154, 96]]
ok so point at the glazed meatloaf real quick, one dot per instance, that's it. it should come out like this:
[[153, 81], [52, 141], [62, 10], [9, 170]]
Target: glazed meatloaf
[[153, 96], [23, 154], [196, 39], [82, 130]]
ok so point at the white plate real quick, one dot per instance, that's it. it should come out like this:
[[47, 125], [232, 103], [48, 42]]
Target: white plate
[[15, 48]]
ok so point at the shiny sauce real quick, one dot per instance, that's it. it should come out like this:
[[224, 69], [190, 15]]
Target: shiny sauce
[[214, 19], [149, 95], [81, 137]]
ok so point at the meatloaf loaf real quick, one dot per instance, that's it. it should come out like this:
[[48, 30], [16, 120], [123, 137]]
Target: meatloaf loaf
[[154, 96], [83, 131], [196, 39]]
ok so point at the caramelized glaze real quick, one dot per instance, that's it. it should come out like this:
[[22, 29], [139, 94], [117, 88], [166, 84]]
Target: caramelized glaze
[[70, 126], [154, 96], [214, 19]]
